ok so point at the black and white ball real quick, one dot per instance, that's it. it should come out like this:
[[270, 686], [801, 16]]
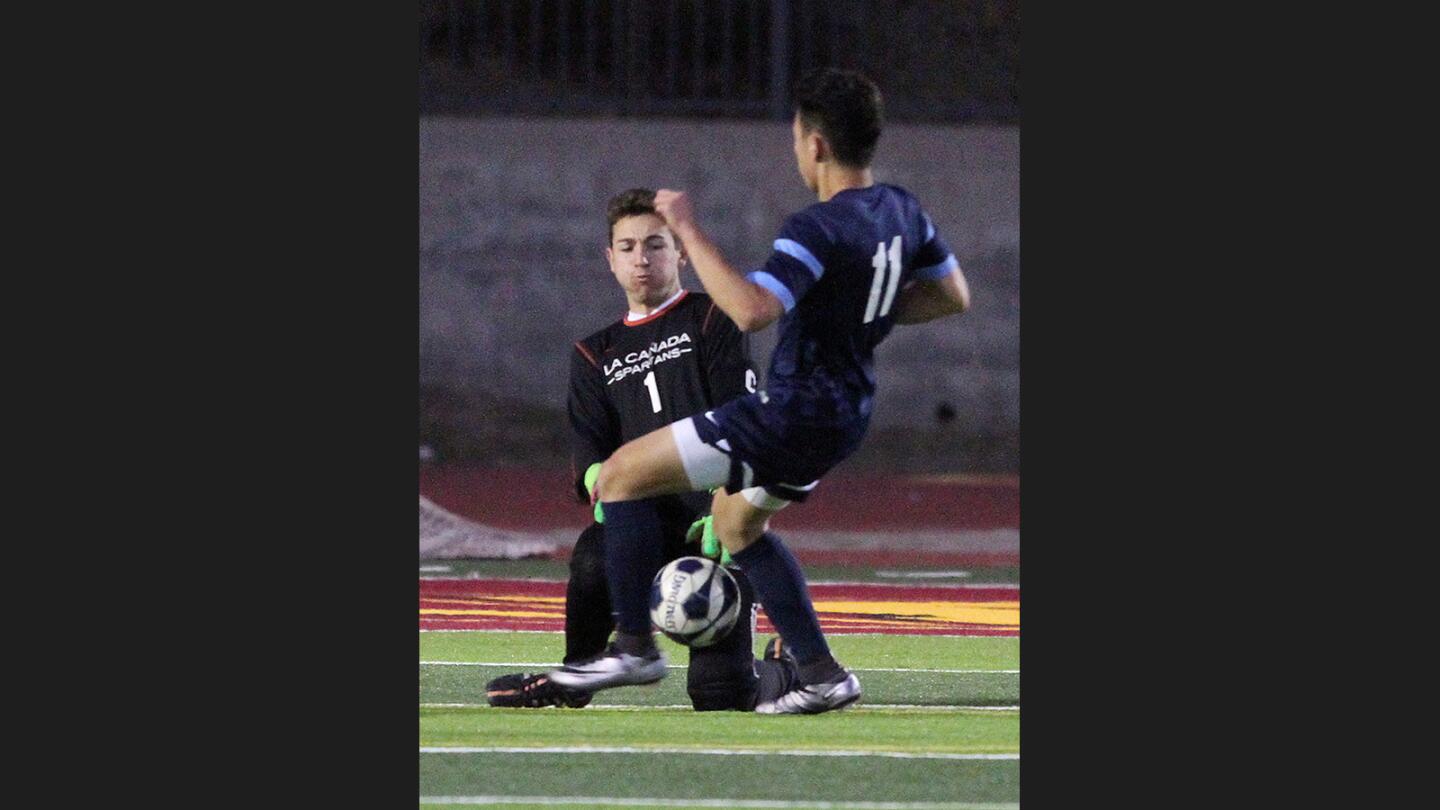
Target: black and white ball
[[694, 601]]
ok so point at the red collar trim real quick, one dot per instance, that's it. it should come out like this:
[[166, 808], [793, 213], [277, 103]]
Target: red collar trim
[[657, 313]]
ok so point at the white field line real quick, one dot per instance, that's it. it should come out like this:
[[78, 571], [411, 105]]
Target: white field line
[[552, 632], [959, 586], [478, 578], [828, 633], [620, 707], [535, 665], [736, 752], [956, 585], [951, 574], [758, 804]]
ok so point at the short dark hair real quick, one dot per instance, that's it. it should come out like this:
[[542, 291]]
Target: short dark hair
[[629, 203], [847, 109]]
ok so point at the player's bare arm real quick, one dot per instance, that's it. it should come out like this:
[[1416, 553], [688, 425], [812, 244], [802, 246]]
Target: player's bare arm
[[749, 305], [928, 300]]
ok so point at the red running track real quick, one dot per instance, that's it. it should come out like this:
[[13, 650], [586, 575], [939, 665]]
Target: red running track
[[542, 499], [503, 604]]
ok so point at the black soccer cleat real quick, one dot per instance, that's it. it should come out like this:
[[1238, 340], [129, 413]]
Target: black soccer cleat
[[523, 690], [777, 672], [775, 650]]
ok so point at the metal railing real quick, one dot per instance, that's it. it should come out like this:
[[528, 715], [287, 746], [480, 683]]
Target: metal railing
[[946, 60]]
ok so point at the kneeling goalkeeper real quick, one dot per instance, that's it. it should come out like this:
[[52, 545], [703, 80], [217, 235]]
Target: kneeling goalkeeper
[[673, 354]]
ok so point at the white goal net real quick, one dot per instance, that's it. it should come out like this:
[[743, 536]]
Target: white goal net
[[445, 535]]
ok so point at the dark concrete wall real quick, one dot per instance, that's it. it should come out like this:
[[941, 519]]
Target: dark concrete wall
[[512, 269]]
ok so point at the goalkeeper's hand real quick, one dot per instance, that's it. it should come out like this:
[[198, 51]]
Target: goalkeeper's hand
[[591, 474], [704, 531]]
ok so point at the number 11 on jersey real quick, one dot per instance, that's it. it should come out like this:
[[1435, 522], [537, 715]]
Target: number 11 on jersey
[[654, 391], [878, 262]]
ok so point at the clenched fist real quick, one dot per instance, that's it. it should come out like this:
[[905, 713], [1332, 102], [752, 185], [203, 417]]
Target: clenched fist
[[674, 207]]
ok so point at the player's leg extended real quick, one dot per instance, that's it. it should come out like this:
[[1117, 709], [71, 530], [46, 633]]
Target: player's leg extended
[[775, 573], [634, 551], [741, 521], [645, 467]]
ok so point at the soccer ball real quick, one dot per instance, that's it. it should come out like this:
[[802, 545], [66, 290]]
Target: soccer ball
[[694, 601]]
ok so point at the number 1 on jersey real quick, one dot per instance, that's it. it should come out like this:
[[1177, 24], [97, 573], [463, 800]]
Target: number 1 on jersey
[[654, 391], [878, 261]]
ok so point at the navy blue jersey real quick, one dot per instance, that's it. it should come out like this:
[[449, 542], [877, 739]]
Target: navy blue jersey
[[837, 268]]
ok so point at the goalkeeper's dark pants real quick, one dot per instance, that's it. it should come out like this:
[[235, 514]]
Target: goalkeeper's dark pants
[[721, 676], [588, 622]]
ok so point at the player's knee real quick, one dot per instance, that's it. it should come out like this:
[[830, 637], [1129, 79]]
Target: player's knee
[[736, 695], [737, 531], [738, 540], [617, 478], [722, 676], [719, 683]]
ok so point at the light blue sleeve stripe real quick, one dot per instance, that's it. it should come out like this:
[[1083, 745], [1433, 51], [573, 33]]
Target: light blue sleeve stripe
[[773, 284], [929, 230], [938, 271], [792, 248]]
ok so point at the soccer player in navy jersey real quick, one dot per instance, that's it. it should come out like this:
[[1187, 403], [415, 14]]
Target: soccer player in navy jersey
[[843, 272], [674, 353]]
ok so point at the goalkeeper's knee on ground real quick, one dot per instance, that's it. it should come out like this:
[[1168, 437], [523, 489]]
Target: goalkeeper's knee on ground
[[716, 685]]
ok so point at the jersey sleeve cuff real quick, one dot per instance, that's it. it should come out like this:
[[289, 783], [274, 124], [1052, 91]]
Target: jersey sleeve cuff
[[774, 285], [938, 271], [802, 254]]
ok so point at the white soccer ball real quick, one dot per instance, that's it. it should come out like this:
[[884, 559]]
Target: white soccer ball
[[694, 601]]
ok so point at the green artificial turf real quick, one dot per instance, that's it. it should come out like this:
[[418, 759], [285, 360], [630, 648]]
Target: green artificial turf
[[851, 771]]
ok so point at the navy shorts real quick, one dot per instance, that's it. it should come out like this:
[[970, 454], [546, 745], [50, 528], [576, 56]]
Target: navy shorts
[[749, 443]]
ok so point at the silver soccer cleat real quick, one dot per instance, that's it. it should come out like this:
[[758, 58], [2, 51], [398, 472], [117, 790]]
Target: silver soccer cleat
[[815, 698], [611, 668]]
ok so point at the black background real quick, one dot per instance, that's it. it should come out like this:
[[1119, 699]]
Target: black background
[[277, 364]]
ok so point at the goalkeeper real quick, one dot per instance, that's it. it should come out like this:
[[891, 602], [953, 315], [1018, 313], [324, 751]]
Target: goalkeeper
[[673, 354]]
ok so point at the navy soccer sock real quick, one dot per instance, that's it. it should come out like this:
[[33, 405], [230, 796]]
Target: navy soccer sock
[[633, 554], [780, 584]]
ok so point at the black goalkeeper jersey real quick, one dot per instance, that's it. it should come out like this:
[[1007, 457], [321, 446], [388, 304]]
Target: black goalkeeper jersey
[[633, 377]]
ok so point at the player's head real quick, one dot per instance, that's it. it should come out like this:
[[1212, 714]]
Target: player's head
[[643, 253], [838, 117]]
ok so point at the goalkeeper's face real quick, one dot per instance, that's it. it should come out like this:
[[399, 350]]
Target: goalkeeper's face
[[645, 259]]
